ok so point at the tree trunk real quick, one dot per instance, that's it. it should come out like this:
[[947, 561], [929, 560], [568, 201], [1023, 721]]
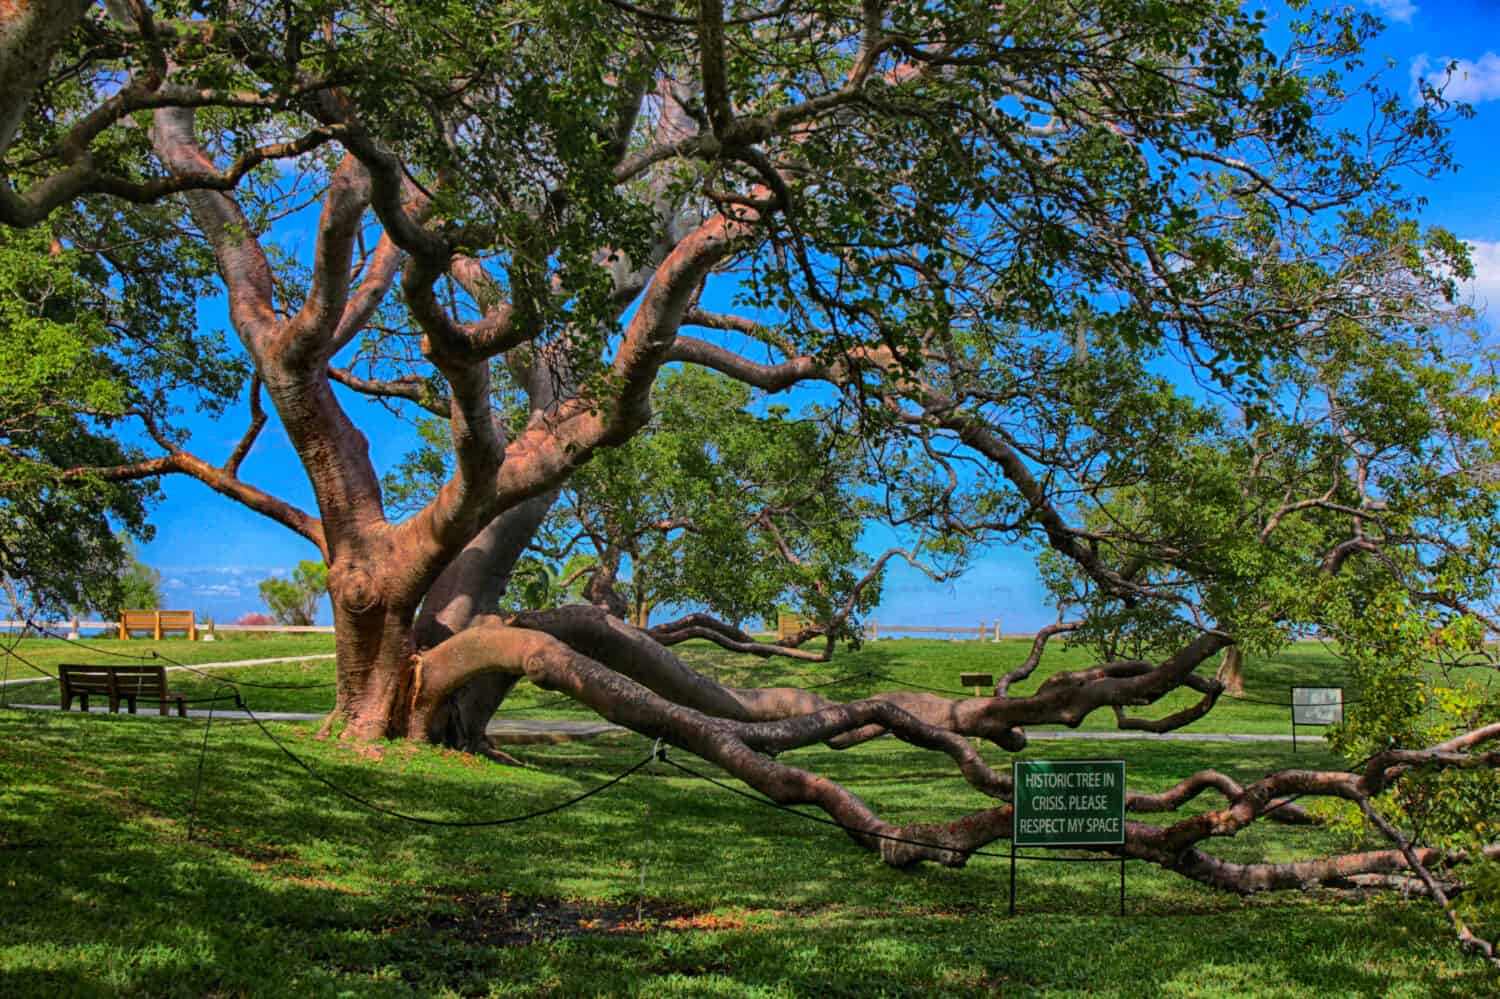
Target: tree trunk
[[374, 671], [469, 588], [1232, 672]]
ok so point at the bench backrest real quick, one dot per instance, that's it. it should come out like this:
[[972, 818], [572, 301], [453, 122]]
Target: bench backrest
[[157, 622], [138, 620], [124, 681], [176, 620]]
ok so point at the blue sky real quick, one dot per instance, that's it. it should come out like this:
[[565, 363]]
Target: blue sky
[[211, 552]]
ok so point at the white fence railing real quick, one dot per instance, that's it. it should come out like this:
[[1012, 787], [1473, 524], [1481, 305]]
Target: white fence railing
[[68, 627]]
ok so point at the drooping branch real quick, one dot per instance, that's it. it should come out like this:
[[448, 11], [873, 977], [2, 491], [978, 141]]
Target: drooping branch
[[743, 747], [727, 636], [1065, 698]]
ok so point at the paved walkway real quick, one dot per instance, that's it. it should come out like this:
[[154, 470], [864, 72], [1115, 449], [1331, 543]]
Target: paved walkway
[[520, 731], [21, 681]]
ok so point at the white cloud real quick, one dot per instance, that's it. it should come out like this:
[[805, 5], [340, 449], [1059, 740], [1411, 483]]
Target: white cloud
[[1395, 10], [1472, 80], [174, 583], [217, 590], [1485, 287]]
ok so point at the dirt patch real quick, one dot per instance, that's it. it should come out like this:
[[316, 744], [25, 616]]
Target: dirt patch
[[260, 855], [507, 920]]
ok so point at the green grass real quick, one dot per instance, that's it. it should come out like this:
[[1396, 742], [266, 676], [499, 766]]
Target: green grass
[[288, 890], [928, 663], [47, 653]]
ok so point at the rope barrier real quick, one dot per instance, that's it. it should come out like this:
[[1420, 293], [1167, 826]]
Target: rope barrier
[[918, 686], [202, 757], [76, 643], [1280, 704], [421, 819], [242, 683], [154, 654]]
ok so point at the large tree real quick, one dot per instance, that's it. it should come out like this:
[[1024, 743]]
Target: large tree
[[1141, 289], [711, 505]]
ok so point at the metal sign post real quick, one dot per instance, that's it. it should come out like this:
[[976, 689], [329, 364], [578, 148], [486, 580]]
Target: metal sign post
[[1063, 803], [1316, 706]]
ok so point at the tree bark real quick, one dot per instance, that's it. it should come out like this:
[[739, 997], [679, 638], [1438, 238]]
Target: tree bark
[[30, 33], [1232, 672], [471, 586]]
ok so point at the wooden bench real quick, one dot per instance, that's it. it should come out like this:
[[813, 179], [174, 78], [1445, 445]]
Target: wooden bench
[[158, 623], [789, 626], [118, 683]]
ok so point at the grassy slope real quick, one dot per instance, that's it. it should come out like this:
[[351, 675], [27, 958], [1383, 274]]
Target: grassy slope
[[288, 890]]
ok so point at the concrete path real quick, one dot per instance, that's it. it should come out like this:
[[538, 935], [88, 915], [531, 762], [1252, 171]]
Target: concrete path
[[523, 731], [193, 666]]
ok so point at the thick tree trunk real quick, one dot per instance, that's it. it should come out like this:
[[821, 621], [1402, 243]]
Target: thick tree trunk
[[469, 588], [374, 670]]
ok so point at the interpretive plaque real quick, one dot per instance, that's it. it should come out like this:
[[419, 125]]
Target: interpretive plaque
[[1317, 705], [1069, 802]]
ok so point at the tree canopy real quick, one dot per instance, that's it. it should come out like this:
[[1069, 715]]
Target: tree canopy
[[1130, 282], [293, 599]]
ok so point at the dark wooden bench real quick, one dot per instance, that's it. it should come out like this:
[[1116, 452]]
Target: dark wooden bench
[[118, 683], [157, 623]]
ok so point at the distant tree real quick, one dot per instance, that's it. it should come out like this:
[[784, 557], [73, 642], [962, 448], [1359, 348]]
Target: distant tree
[[139, 584], [294, 599]]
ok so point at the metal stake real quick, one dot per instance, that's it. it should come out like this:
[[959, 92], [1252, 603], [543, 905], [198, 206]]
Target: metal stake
[[1012, 875]]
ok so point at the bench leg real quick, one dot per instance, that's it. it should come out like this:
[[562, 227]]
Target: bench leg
[[163, 705], [130, 704], [181, 708], [83, 703]]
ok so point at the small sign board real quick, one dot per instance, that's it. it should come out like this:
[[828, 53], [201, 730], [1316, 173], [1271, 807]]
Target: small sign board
[[976, 679], [1317, 705], [1069, 802]]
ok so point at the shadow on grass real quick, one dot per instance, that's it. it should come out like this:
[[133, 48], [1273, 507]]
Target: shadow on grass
[[287, 889]]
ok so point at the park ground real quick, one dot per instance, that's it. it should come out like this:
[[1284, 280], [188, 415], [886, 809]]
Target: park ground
[[123, 872]]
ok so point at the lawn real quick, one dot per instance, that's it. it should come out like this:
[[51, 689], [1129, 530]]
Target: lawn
[[924, 663], [662, 885]]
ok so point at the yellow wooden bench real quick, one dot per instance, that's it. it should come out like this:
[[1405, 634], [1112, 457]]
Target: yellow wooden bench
[[157, 623], [789, 625]]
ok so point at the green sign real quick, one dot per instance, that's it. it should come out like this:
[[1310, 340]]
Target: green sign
[[1069, 802]]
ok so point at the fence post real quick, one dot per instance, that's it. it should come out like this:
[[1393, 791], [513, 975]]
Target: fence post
[[980, 631], [997, 631], [874, 629], [73, 632]]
